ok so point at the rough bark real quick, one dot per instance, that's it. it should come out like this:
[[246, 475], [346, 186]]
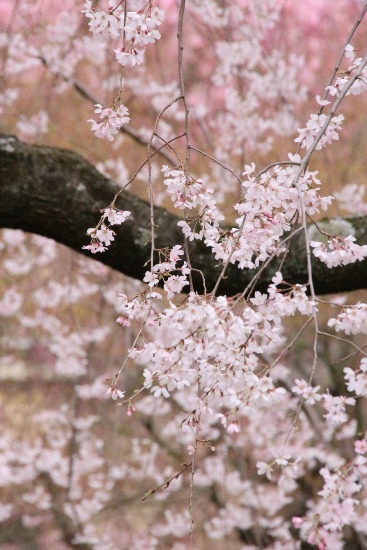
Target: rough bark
[[58, 194]]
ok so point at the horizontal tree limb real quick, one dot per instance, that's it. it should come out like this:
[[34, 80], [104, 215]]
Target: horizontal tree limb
[[58, 194]]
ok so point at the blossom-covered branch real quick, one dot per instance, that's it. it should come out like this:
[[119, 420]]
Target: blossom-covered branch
[[31, 200]]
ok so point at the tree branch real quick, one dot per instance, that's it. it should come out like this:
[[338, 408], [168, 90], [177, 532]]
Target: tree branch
[[58, 194]]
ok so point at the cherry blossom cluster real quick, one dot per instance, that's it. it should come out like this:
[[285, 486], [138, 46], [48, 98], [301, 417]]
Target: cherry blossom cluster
[[103, 235], [337, 505], [287, 298], [313, 127], [211, 351], [357, 379], [360, 84], [11, 302], [335, 405], [139, 307], [173, 284], [339, 251], [352, 198], [203, 341], [109, 121], [351, 320], [269, 205], [322, 127], [309, 393], [188, 193], [282, 459], [136, 29]]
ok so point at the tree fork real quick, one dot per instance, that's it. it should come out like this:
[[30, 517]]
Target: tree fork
[[58, 194]]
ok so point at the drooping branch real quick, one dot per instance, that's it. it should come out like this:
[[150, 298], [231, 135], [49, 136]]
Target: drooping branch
[[58, 194]]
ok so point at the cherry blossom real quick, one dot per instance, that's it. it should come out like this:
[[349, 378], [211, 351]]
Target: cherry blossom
[[360, 446]]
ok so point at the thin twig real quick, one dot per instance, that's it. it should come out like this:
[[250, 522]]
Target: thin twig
[[166, 484], [347, 356], [340, 339], [225, 266], [273, 164], [150, 183], [181, 17], [290, 344], [217, 162]]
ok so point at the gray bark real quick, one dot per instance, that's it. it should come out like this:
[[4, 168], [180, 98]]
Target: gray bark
[[58, 194]]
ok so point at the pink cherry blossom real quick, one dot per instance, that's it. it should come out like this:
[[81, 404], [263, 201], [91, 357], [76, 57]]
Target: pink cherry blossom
[[115, 393]]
